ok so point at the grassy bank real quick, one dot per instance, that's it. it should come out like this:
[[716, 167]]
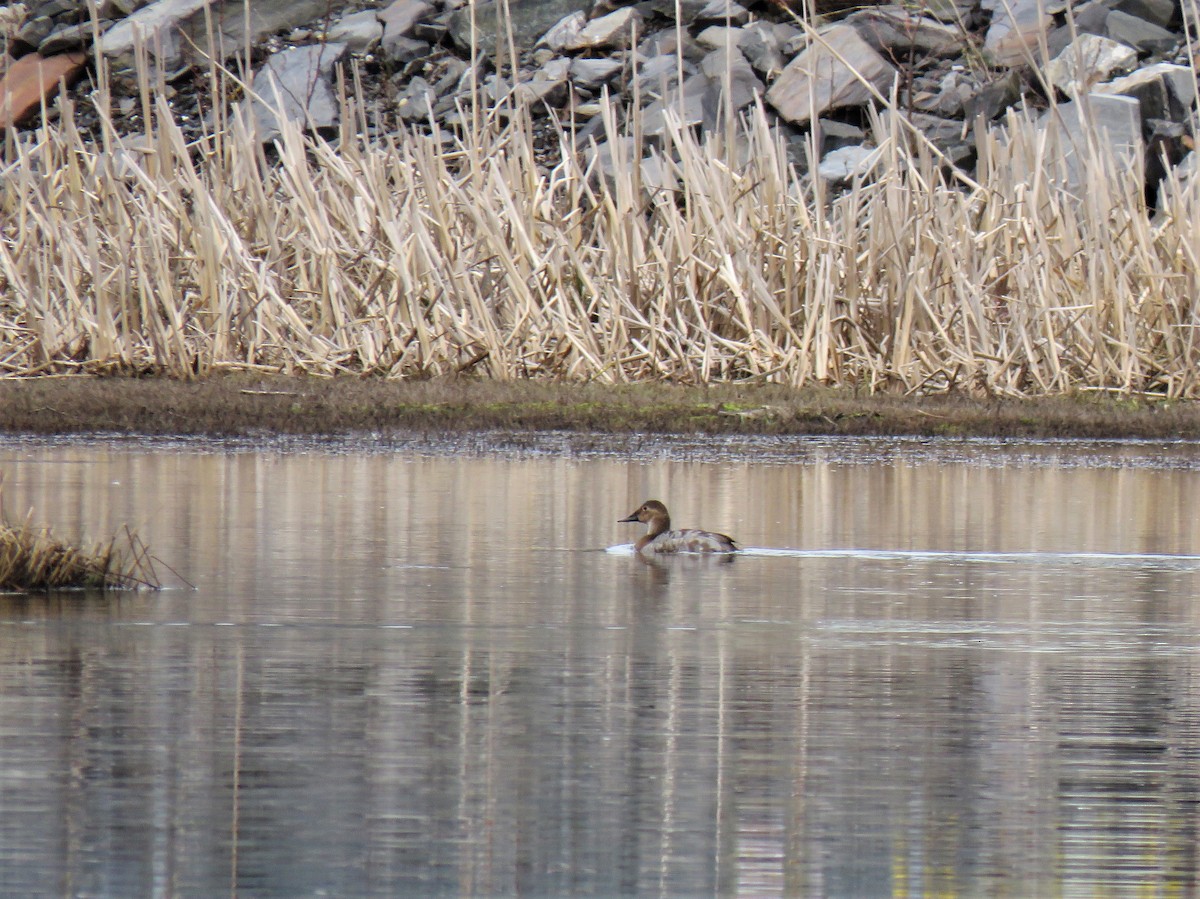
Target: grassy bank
[[248, 404], [429, 254]]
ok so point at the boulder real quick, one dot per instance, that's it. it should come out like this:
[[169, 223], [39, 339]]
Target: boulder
[[398, 20], [830, 74], [847, 163], [1145, 37], [1016, 28], [359, 31], [296, 85], [1089, 60], [896, 30], [613, 30], [1111, 124]]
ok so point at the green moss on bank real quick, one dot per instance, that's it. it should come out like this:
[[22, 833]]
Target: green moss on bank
[[247, 404]]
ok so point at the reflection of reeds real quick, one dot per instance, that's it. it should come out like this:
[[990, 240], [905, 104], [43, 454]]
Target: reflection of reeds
[[31, 558], [426, 253]]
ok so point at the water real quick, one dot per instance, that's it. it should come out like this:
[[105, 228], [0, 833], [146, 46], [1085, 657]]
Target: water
[[958, 668]]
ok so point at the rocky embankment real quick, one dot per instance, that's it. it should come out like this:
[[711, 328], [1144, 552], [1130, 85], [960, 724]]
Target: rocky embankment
[[1122, 65]]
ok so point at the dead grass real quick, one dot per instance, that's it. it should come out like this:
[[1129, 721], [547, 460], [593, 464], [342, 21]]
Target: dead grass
[[426, 254], [33, 559]]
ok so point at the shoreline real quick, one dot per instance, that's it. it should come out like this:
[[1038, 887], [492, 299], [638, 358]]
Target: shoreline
[[249, 404]]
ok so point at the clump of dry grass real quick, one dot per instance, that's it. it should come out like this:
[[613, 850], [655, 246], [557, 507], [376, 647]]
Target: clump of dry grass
[[33, 559], [423, 254]]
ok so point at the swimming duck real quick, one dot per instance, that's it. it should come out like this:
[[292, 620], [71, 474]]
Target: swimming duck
[[659, 538]]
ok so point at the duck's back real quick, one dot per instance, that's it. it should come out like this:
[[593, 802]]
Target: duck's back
[[691, 540]]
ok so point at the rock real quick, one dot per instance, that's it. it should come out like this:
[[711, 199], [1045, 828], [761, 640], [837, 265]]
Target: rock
[[994, 97], [401, 50], [70, 37], [1089, 60], [1156, 12], [31, 34], [179, 32], [949, 96], [658, 75], [528, 20], [594, 73], [1145, 37], [609, 160], [1112, 124], [1016, 28], [1089, 18], [953, 137], [295, 85], [415, 102], [613, 30], [398, 20], [703, 97], [546, 85], [895, 30], [359, 31], [1163, 91], [32, 79], [834, 135], [694, 11], [565, 31], [830, 74], [765, 46], [848, 162]]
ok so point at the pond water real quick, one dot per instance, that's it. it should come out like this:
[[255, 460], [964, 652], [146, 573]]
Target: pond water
[[408, 668]]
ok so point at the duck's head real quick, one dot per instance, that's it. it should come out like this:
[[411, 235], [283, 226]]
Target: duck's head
[[650, 510]]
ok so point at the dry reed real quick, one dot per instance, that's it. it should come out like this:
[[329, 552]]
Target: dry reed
[[32, 559], [424, 253]]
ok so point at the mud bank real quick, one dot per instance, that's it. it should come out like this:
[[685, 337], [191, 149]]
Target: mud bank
[[246, 405]]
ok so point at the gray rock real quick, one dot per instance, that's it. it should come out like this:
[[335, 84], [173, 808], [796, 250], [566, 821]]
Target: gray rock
[[830, 74], [725, 83], [528, 20], [563, 32], [694, 11], [847, 163], [179, 32], [295, 85], [401, 50], [656, 76], [70, 37], [594, 73], [949, 96], [766, 45], [359, 31], [1165, 91], [953, 137], [612, 160], [994, 97], [1089, 18], [34, 31], [1157, 12], [896, 29], [1016, 28], [834, 135], [398, 20], [1180, 80], [1111, 124], [1089, 60], [613, 30], [1145, 36], [415, 102]]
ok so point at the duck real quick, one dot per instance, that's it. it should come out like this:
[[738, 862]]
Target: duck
[[659, 538]]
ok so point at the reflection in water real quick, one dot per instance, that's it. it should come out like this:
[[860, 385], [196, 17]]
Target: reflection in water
[[408, 675]]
